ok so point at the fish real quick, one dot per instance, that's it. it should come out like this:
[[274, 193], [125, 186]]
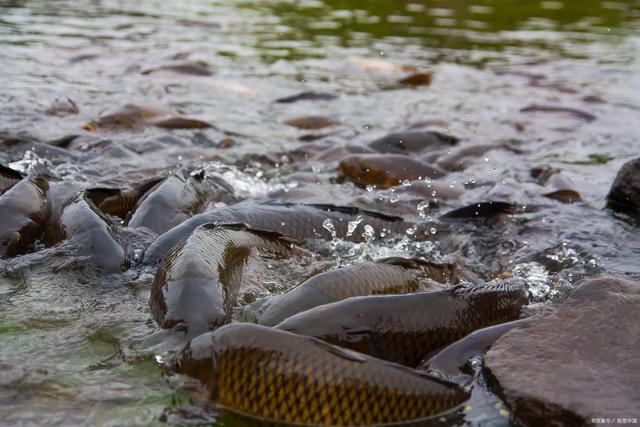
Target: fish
[[16, 145], [385, 170], [196, 285], [90, 233], [24, 213], [311, 122], [297, 221], [385, 276], [375, 65], [8, 178], [307, 96], [176, 198], [118, 202], [587, 117], [281, 377], [407, 328], [563, 189], [136, 117], [480, 210], [462, 158], [452, 358], [181, 123], [412, 142], [189, 68], [417, 79]]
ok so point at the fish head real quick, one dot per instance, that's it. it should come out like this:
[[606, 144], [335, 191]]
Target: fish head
[[363, 170]]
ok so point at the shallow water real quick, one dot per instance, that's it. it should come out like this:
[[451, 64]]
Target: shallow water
[[79, 349]]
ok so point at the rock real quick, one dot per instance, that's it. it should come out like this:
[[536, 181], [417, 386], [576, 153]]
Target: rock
[[575, 362], [625, 191]]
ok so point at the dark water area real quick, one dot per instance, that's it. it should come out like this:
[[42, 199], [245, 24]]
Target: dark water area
[[554, 83]]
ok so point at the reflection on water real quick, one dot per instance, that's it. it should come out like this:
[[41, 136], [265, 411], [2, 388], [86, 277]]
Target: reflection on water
[[453, 29], [77, 351]]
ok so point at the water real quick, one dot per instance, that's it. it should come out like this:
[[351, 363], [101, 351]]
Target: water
[[81, 350]]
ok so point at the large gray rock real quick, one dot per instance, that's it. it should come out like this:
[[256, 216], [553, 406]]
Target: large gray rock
[[575, 363], [625, 191]]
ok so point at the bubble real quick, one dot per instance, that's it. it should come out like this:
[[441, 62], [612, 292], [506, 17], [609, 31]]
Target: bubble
[[433, 230], [370, 188]]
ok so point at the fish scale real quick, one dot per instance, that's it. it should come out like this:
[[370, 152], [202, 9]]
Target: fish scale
[[196, 285], [406, 328], [382, 277], [275, 375]]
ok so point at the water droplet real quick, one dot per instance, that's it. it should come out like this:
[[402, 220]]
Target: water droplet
[[369, 188], [352, 225], [433, 230], [327, 224], [394, 199]]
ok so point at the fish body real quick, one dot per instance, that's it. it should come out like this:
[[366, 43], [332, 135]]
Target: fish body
[[297, 221], [135, 117], [188, 68], [406, 328], [282, 377], [383, 277], [196, 285], [8, 178], [23, 215], [453, 357], [482, 210], [307, 96], [311, 122], [385, 170], [412, 142]]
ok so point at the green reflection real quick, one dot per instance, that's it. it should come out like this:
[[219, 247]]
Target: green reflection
[[460, 25]]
